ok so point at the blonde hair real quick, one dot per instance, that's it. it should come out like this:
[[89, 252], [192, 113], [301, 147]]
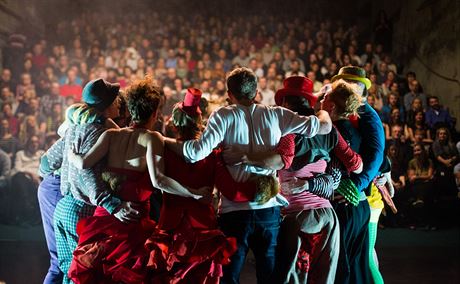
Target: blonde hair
[[346, 98]]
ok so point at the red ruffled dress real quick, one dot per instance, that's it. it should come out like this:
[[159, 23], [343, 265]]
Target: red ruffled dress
[[108, 250], [188, 247]]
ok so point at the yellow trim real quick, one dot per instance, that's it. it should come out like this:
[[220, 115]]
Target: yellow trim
[[365, 81]]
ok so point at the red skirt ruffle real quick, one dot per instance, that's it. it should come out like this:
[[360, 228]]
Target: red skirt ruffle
[[188, 255], [110, 251]]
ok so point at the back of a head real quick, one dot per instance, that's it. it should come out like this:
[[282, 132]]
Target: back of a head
[[242, 83], [346, 98], [186, 115], [142, 99], [299, 105]]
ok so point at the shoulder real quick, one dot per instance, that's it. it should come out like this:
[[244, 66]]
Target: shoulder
[[152, 137], [112, 131]]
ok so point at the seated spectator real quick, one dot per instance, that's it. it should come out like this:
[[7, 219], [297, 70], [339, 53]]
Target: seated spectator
[[376, 91], [13, 122], [393, 102], [418, 127], [457, 172], [6, 96], [416, 106], [317, 85], [34, 110], [71, 85], [267, 95], [395, 119], [27, 161], [420, 173], [410, 76], [414, 92], [437, 116], [24, 183], [55, 119], [294, 69], [398, 179], [28, 128], [446, 157], [5, 80], [398, 138], [386, 86], [25, 85], [8, 143], [48, 100], [5, 169]]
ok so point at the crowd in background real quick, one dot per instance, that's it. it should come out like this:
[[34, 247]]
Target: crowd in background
[[41, 78]]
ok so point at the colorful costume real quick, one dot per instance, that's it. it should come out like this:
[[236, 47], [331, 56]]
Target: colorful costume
[[80, 188], [255, 128], [309, 233], [188, 247], [108, 250], [369, 142]]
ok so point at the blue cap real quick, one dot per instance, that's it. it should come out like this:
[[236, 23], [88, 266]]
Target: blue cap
[[100, 94]]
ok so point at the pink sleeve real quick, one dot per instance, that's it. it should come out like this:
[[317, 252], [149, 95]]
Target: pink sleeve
[[286, 149]]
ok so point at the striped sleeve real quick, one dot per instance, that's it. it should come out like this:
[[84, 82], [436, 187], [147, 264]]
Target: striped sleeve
[[322, 186]]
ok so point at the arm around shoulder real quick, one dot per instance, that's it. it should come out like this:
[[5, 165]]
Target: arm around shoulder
[[325, 122]]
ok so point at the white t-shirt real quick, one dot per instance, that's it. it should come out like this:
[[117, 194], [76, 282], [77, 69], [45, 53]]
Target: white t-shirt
[[254, 128]]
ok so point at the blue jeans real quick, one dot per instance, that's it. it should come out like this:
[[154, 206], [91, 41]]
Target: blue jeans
[[256, 230], [49, 194]]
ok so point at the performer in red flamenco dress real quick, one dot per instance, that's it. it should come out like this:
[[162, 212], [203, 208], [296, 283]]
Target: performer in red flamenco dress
[[111, 251]]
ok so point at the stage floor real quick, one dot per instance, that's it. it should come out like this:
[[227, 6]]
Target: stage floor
[[405, 256]]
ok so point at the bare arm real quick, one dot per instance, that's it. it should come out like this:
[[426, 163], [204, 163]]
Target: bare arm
[[95, 154], [174, 145], [413, 176], [325, 122], [155, 164]]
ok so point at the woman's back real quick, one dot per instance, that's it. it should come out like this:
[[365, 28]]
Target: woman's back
[[127, 148]]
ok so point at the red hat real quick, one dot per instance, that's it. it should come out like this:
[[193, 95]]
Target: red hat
[[296, 86], [191, 103]]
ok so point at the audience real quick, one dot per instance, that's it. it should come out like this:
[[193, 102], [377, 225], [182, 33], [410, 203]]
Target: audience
[[42, 76]]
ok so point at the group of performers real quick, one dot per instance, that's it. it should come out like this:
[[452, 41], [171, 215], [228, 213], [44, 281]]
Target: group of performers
[[301, 187]]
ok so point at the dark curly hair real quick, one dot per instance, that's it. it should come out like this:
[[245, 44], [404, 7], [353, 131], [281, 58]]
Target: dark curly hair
[[242, 83], [142, 99]]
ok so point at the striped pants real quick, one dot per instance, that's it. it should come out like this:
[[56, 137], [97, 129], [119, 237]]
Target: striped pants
[[66, 216]]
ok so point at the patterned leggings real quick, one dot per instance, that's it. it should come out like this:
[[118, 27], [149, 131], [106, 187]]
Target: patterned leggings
[[66, 216]]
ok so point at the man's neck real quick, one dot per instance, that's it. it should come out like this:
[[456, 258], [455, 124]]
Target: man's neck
[[245, 102]]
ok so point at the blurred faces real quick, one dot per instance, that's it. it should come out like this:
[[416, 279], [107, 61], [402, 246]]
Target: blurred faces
[[442, 134], [34, 144], [417, 150], [6, 75], [434, 103], [396, 132]]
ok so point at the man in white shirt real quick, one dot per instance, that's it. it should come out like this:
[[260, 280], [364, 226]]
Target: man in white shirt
[[254, 128]]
